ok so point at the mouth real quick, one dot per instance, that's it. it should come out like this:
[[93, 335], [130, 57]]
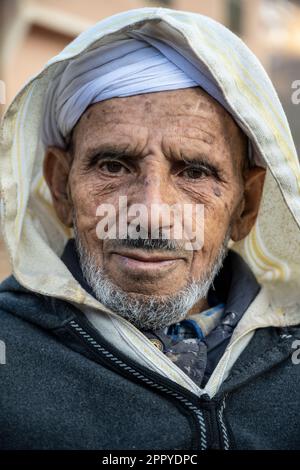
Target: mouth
[[141, 261]]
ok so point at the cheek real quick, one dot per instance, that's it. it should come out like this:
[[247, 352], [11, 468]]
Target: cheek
[[218, 216], [204, 258], [85, 206], [217, 219], [200, 192], [88, 193]]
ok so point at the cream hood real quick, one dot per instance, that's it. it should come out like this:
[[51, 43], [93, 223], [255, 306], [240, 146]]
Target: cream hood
[[33, 234]]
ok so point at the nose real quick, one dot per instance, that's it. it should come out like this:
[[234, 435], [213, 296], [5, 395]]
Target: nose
[[154, 196]]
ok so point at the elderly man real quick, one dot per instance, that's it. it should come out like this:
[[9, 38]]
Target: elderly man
[[141, 338]]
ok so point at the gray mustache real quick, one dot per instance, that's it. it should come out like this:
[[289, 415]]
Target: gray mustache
[[161, 244]]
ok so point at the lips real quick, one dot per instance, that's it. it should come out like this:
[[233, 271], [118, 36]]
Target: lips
[[146, 258], [137, 261]]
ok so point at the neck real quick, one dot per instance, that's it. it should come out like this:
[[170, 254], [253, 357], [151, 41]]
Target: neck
[[200, 306]]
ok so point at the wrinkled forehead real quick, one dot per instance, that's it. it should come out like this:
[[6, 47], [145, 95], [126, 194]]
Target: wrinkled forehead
[[180, 122], [180, 108], [190, 114], [184, 103]]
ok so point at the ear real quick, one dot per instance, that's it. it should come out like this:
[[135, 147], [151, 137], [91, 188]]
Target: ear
[[253, 187], [56, 167]]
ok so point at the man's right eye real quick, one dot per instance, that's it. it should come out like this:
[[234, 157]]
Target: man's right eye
[[113, 167]]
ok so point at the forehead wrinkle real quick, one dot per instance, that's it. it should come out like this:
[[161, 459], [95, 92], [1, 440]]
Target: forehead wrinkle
[[110, 121], [118, 144], [176, 150], [151, 108], [191, 133], [94, 136], [189, 126]]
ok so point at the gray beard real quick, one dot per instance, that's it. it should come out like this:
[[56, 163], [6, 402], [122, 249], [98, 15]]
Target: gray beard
[[147, 312]]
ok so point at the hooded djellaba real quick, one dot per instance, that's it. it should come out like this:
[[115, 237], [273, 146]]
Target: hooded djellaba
[[136, 343]]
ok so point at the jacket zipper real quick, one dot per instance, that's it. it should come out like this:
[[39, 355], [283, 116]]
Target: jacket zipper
[[207, 429]]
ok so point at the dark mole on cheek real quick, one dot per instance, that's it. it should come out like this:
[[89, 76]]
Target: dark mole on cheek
[[217, 191]]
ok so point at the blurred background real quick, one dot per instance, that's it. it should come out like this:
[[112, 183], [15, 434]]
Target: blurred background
[[32, 31]]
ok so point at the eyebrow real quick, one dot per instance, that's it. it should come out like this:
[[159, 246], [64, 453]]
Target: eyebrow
[[112, 153]]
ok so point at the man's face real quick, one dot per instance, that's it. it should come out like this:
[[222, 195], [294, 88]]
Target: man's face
[[175, 147]]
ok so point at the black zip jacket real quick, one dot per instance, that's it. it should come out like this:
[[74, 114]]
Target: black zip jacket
[[65, 387]]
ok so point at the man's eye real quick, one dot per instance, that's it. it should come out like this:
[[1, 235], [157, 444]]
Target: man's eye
[[194, 173], [114, 167]]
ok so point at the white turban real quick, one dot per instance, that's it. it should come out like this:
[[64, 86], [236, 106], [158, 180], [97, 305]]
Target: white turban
[[123, 68]]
